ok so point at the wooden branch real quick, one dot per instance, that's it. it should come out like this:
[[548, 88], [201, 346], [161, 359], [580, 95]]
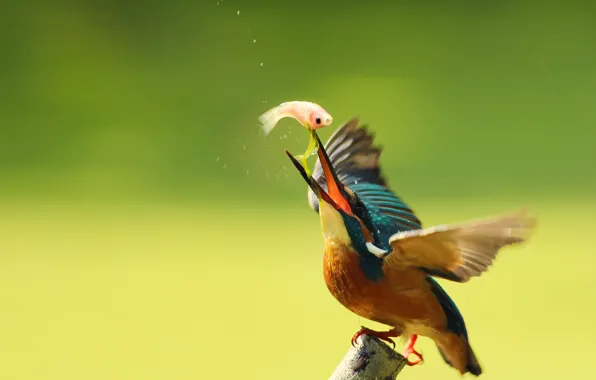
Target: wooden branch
[[371, 359]]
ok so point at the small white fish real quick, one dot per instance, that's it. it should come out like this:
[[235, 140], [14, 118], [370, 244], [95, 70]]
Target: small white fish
[[310, 115]]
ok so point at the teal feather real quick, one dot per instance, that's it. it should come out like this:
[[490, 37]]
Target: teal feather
[[455, 321], [355, 159]]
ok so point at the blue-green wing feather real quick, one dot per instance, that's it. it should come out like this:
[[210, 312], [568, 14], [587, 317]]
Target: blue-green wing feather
[[379, 198], [355, 159], [455, 321]]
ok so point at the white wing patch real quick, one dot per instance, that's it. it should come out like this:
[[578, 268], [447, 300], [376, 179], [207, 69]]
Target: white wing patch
[[380, 253]]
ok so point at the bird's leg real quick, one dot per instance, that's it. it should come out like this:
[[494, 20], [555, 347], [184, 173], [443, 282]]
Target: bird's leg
[[409, 350], [383, 335]]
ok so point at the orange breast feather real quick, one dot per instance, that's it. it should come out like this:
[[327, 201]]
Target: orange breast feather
[[401, 297]]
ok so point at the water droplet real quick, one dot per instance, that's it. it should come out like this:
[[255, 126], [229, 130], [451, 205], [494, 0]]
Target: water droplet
[[225, 165], [218, 3], [238, 13], [286, 174], [356, 182], [247, 173], [254, 41], [285, 136], [284, 167], [261, 64], [267, 174], [217, 159], [243, 147]]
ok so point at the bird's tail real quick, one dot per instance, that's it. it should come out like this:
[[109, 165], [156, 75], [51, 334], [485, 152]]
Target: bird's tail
[[269, 119], [457, 352]]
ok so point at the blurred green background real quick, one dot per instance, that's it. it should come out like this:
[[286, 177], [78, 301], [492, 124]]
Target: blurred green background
[[148, 230]]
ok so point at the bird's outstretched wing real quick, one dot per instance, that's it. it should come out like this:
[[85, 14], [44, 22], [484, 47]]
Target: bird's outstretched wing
[[355, 159], [460, 251]]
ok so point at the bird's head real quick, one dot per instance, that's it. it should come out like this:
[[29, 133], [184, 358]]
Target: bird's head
[[344, 217]]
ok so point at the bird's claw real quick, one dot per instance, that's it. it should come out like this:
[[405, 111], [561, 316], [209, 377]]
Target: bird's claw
[[360, 332], [383, 335], [415, 362], [409, 350]]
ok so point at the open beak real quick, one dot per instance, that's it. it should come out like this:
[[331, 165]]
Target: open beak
[[333, 195]]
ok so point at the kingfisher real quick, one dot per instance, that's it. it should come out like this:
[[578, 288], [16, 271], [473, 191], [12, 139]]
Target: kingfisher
[[381, 264]]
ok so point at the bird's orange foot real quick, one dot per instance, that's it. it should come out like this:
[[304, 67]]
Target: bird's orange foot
[[383, 335], [409, 350]]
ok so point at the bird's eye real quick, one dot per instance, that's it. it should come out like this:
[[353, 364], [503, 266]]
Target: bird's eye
[[318, 120]]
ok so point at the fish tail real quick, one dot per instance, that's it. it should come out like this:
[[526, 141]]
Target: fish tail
[[269, 119]]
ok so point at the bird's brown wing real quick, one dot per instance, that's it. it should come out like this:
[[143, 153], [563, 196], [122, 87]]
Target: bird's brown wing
[[460, 251]]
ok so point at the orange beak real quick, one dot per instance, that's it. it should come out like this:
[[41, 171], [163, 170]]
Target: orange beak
[[333, 195]]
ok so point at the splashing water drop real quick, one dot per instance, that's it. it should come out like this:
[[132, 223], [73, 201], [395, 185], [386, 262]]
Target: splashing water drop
[[217, 159], [261, 64], [254, 41], [238, 13]]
